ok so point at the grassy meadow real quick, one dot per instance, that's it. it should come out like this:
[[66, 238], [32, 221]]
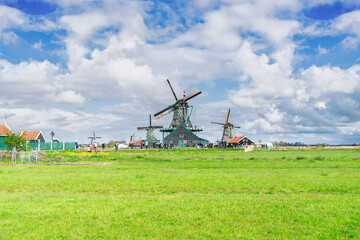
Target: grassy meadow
[[183, 194]]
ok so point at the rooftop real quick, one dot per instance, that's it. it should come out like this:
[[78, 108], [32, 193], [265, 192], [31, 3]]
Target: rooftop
[[4, 130]]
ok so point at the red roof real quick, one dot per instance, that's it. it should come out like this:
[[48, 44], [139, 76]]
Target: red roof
[[4, 130], [30, 135], [235, 140], [138, 143]]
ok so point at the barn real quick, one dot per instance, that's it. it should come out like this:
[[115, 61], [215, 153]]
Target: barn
[[183, 137]]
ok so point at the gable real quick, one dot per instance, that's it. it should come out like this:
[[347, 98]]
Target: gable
[[4, 130]]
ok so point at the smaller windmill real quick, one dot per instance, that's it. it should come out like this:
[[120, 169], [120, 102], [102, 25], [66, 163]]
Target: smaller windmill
[[93, 138], [229, 131], [150, 130]]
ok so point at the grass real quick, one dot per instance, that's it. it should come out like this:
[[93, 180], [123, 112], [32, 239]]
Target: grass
[[184, 194]]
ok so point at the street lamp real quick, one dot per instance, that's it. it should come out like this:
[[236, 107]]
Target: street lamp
[[52, 139]]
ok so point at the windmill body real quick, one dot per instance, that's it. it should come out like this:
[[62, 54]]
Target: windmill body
[[181, 131]]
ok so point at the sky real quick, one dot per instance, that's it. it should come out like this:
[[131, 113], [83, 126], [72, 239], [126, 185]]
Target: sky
[[289, 70]]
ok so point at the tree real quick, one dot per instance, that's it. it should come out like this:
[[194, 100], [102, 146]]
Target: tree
[[15, 141]]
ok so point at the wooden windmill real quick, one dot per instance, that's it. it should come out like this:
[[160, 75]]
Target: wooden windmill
[[229, 131], [150, 130], [181, 131], [180, 109], [93, 139]]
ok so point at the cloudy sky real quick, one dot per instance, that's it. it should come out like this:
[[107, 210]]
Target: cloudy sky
[[288, 69]]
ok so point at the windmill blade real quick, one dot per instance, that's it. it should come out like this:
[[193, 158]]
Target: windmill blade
[[150, 119], [237, 127], [163, 112], [160, 126], [218, 123], [142, 128], [192, 95], [98, 137], [172, 89], [227, 116]]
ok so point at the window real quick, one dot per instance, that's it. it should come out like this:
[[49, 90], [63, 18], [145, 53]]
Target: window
[[181, 135]]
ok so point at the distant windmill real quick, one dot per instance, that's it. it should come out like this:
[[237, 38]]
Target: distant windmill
[[150, 130], [93, 138], [229, 131]]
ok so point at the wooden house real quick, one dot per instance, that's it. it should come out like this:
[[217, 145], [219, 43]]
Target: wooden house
[[33, 136]]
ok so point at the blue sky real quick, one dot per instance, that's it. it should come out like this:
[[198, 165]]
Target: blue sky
[[289, 70]]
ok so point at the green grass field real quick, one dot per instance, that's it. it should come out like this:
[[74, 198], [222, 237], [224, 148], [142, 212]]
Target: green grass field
[[184, 194]]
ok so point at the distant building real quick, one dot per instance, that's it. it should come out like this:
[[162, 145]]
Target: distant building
[[240, 141], [33, 136], [137, 144], [56, 140], [133, 140]]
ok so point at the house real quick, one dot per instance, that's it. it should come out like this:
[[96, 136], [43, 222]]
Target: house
[[33, 136], [240, 141], [4, 133], [183, 137]]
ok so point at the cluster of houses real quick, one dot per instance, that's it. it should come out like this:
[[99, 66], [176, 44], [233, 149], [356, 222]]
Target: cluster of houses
[[34, 138]]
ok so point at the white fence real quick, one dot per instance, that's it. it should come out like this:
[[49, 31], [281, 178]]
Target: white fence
[[19, 157]]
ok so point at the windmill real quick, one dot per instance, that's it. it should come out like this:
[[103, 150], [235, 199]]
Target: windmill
[[93, 138], [181, 130], [150, 130], [229, 131], [180, 108]]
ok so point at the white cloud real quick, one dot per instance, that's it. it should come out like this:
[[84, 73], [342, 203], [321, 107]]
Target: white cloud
[[9, 38], [69, 96], [10, 17], [38, 45], [322, 51]]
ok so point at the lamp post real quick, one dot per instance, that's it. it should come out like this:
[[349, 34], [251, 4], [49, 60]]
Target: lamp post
[[52, 139]]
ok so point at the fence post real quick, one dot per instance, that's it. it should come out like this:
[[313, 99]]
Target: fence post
[[36, 156], [63, 145], [14, 155], [2, 153]]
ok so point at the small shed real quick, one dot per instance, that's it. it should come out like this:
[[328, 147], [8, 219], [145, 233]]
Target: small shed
[[33, 136]]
